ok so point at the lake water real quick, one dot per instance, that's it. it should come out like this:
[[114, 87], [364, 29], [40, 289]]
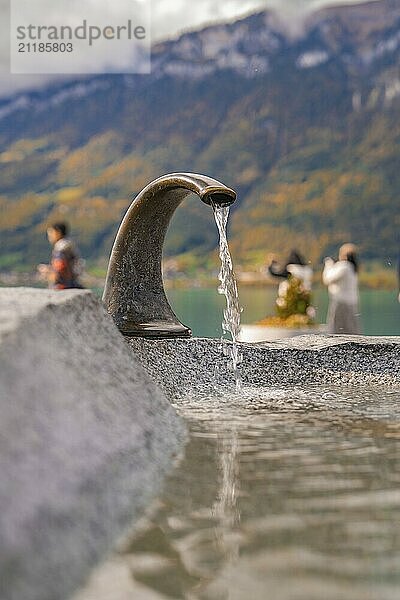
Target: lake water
[[283, 494], [201, 309]]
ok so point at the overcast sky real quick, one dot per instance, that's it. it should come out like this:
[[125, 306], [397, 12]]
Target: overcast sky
[[169, 17]]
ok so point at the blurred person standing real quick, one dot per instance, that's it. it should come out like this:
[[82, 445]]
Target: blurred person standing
[[65, 266], [341, 277]]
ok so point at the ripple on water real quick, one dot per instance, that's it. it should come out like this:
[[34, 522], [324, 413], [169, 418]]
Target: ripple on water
[[291, 494]]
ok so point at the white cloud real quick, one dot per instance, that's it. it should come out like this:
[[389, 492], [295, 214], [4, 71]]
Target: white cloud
[[169, 17]]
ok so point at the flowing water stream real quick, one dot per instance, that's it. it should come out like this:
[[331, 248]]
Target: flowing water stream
[[228, 287]]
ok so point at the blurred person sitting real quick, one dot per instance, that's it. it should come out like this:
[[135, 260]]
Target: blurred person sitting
[[341, 278], [294, 266], [294, 292], [65, 266]]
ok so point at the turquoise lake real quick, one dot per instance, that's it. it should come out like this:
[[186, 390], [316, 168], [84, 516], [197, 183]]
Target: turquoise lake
[[201, 309]]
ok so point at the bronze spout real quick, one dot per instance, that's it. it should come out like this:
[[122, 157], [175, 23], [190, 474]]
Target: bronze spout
[[134, 293]]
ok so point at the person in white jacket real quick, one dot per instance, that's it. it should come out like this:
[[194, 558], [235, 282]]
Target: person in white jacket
[[342, 281]]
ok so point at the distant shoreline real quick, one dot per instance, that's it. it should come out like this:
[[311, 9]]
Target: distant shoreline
[[380, 279]]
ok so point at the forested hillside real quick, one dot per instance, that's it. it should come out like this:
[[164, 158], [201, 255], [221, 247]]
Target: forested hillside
[[306, 128]]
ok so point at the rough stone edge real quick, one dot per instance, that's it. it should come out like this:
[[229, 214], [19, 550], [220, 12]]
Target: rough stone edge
[[62, 567], [198, 365]]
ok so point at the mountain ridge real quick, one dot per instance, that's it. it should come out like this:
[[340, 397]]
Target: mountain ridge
[[313, 116]]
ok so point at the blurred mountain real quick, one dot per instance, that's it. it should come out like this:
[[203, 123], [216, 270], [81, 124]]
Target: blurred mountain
[[303, 122]]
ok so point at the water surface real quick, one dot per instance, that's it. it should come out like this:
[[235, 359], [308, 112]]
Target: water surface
[[281, 494]]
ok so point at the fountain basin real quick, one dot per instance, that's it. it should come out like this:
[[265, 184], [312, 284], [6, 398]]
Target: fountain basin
[[87, 435], [287, 489], [197, 366]]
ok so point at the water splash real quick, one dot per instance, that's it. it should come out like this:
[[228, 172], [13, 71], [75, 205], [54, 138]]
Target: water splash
[[228, 287]]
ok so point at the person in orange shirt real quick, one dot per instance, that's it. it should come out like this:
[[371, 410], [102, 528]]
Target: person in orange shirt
[[63, 271]]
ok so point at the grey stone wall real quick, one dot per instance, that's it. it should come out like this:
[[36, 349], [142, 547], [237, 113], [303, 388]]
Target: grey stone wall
[[85, 440], [198, 366]]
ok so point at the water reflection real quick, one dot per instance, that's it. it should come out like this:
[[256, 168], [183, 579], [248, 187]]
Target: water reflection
[[285, 494], [226, 510]]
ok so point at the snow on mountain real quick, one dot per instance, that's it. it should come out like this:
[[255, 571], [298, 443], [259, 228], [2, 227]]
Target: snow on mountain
[[312, 59], [59, 96], [244, 47], [357, 37]]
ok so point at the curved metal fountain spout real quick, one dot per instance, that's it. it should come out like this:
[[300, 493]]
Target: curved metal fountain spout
[[134, 293]]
